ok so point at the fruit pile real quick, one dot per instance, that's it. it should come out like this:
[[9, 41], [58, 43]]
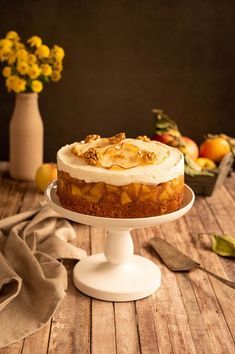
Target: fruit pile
[[199, 160]]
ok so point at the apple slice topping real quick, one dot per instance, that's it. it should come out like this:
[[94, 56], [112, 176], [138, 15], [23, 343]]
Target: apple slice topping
[[117, 152], [122, 155]]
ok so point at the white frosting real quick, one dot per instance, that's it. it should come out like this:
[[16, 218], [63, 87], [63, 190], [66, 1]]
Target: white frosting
[[171, 165]]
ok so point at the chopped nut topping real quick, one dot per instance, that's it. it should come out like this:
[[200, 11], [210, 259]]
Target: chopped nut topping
[[91, 137], [91, 156], [117, 138], [147, 156], [143, 138], [74, 150]]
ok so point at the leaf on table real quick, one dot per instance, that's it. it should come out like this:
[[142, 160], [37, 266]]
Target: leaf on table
[[224, 245]]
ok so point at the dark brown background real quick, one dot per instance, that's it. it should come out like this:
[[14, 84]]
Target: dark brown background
[[124, 58]]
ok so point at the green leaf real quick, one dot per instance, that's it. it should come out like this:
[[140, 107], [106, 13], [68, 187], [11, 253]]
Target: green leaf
[[224, 245], [162, 121], [163, 125]]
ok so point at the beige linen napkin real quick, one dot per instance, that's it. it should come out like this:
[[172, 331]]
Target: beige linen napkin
[[32, 280]]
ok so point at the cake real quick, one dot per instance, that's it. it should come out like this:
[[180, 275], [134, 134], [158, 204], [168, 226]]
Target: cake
[[119, 177]]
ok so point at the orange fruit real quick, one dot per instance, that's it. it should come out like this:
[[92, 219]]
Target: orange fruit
[[214, 149]]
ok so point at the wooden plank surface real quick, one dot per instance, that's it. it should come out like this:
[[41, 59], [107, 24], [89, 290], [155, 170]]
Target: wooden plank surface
[[190, 313]]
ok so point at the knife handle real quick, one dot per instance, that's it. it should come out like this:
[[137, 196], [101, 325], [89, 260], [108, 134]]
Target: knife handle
[[227, 282]]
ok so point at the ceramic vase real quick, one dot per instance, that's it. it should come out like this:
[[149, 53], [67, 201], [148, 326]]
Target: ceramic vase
[[26, 137]]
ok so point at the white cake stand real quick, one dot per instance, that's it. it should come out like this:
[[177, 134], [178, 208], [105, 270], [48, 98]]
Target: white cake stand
[[117, 274]]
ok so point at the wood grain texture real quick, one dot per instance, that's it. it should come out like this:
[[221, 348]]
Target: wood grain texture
[[190, 313], [126, 327]]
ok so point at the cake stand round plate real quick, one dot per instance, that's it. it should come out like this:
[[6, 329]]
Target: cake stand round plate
[[117, 274]]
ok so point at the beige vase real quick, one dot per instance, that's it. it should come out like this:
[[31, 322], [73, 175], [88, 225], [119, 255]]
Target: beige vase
[[26, 137]]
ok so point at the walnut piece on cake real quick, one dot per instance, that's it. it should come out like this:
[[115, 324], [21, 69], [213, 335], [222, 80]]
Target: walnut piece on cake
[[91, 156], [147, 156], [143, 138], [91, 137], [117, 138]]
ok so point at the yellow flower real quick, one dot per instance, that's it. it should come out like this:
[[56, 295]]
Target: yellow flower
[[22, 85], [12, 35], [22, 67], [35, 41], [34, 71], [46, 69], [5, 49], [22, 54], [58, 52], [55, 76], [19, 85], [5, 43], [15, 83], [32, 59], [43, 51], [4, 54], [37, 86], [19, 46], [6, 71], [29, 65], [9, 82], [57, 65], [11, 58]]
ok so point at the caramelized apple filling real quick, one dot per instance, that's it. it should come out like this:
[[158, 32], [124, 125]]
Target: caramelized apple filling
[[132, 193]]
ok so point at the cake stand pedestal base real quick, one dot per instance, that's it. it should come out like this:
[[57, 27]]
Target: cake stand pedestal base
[[132, 280]]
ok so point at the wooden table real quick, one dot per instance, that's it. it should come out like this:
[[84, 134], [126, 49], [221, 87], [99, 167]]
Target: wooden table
[[190, 313]]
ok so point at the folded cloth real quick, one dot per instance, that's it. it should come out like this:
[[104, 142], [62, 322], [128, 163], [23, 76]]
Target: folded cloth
[[32, 280]]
